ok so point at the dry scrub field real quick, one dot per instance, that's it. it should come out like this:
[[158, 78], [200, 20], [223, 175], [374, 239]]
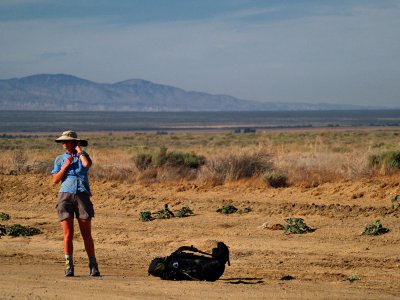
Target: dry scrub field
[[331, 181]]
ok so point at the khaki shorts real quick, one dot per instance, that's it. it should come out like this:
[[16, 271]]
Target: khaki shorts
[[79, 205]]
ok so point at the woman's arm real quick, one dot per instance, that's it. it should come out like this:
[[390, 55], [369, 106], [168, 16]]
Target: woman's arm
[[59, 176], [86, 162]]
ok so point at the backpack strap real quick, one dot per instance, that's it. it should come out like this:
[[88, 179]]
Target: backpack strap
[[191, 249]]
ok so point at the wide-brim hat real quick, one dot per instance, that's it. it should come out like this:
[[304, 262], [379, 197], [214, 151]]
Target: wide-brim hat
[[71, 136]]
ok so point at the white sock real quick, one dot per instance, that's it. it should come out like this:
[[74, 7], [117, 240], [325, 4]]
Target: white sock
[[68, 257]]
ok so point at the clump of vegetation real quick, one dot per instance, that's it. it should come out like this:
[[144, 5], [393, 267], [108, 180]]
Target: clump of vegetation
[[4, 216], [167, 158], [183, 212], [235, 166], [296, 226], [375, 228], [275, 179], [18, 161], [227, 209], [389, 160], [18, 230], [145, 216], [353, 278], [165, 213], [230, 209], [143, 161], [395, 201]]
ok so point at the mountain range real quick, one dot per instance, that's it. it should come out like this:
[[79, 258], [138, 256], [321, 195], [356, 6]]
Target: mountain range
[[66, 92]]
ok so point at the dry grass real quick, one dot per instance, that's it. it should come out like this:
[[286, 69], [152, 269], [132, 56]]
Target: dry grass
[[306, 158]]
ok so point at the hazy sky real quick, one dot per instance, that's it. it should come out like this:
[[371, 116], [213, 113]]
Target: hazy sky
[[284, 51]]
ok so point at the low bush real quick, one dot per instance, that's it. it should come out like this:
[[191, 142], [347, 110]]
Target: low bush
[[395, 200], [227, 209], [275, 179], [183, 212], [18, 161], [163, 158], [296, 226], [388, 161], [18, 230], [375, 228], [232, 167], [4, 216], [165, 213]]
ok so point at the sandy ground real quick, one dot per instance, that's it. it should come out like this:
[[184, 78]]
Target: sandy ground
[[320, 262]]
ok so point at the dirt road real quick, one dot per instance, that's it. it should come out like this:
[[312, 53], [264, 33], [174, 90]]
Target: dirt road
[[320, 262]]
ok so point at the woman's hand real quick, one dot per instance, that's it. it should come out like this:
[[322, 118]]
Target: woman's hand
[[58, 177]]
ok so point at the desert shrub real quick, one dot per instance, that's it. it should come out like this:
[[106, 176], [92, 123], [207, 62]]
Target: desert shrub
[[227, 209], [375, 228], [395, 200], [143, 161], [18, 161], [296, 226], [4, 216], [145, 216], [233, 167], [389, 160], [170, 159], [111, 172], [353, 278], [183, 212], [19, 230], [41, 167], [164, 213], [275, 179]]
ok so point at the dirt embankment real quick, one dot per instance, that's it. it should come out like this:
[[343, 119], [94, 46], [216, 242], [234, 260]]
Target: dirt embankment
[[320, 262]]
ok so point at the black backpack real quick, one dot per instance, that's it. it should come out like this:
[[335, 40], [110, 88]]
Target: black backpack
[[189, 263]]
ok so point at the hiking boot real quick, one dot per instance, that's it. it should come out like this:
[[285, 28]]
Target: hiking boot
[[94, 269], [69, 268]]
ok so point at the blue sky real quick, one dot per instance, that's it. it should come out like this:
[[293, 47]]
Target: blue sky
[[280, 51]]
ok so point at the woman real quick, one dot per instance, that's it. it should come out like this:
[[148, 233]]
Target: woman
[[71, 170]]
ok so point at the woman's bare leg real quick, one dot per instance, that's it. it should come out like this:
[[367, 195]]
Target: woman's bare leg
[[67, 226]]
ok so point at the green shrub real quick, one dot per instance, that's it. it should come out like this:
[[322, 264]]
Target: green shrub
[[143, 161], [145, 216], [353, 278], [395, 201], [18, 230], [171, 159], [296, 226], [164, 213], [4, 216], [227, 209], [183, 212], [275, 180], [389, 160], [375, 228]]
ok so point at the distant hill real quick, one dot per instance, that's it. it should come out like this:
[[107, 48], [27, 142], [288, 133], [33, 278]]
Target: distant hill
[[67, 92]]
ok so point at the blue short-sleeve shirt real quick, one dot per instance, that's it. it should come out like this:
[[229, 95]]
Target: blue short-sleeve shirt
[[75, 179]]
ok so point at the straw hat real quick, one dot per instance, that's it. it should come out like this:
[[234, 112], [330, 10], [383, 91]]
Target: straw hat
[[71, 136]]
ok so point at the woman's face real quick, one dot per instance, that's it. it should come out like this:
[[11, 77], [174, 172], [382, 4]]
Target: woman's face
[[69, 146]]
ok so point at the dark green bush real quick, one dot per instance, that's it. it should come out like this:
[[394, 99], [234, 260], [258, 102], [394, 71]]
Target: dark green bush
[[227, 209], [183, 212], [375, 228], [4, 216], [18, 230], [297, 226]]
